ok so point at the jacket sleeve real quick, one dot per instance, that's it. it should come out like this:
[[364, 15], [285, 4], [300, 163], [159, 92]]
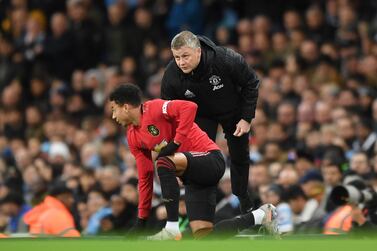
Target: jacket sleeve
[[145, 170], [183, 113], [167, 88], [246, 79]]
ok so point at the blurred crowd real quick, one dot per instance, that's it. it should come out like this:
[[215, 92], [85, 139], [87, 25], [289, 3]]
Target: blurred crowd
[[315, 123]]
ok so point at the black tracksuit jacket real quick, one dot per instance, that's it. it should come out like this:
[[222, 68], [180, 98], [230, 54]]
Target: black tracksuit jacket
[[223, 85]]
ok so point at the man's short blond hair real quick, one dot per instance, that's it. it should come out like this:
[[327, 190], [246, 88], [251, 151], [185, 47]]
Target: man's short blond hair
[[185, 38]]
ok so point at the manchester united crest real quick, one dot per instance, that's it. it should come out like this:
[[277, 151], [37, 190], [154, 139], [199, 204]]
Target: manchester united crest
[[152, 129], [215, 80]]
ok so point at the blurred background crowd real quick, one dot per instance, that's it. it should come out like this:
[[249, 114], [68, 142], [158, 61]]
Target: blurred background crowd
[[315, 125]]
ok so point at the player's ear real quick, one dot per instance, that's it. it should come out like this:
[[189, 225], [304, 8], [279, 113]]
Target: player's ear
[[126, 107]]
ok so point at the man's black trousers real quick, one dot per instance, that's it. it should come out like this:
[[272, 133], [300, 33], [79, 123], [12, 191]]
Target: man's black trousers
[[238, 151]]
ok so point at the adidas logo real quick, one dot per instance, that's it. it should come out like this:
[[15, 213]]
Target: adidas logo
[[189, 94]]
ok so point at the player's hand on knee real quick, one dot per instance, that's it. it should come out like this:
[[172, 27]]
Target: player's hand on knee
[[168, 150]]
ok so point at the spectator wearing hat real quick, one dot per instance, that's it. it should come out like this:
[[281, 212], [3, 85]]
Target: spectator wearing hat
[[58, 154], [314, 188]]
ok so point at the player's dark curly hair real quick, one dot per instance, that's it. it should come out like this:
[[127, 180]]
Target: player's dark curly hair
[[126, 94]]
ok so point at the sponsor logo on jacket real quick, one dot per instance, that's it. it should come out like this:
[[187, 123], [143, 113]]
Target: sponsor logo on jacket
[[216, 82]]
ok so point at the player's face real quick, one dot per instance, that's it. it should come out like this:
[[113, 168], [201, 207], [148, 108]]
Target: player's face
[[120, 114], [187, 58]]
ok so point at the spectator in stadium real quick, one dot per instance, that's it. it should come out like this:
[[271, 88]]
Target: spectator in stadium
[[276, 196], [121, 218], [225, 89], [30, 46], [98, 209], [332, 176], [129, 192], [366, 137], [14, 207], [258, 176], [360, 165], [227, 207], [109, 180], [288, 176], [168, 128], [52, 217], [116, 35], [86, 35], [304, 210], [58, 49], [8, 68], [313, 186]]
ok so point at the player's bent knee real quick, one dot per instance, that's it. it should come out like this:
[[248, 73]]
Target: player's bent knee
[[201, 228], [202, 232], [180, 161]]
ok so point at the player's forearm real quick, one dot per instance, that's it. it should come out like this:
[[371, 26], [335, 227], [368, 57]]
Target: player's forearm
[[186, 112]]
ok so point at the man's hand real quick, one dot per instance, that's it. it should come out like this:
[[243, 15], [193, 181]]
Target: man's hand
[[242, 127], [138, 228], [168, 150]]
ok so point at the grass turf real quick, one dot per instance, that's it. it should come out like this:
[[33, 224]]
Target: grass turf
[[114, 244]]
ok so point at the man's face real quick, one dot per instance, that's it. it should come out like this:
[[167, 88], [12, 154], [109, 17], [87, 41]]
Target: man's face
[[117, 204], [331, 175], [9, 209], [187, 58], [359, 164], [297, 205], [120, 114]]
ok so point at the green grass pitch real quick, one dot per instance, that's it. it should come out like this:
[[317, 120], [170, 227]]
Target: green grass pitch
[[114, 244]]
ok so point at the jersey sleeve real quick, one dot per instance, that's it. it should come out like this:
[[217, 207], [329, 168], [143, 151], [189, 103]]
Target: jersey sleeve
[[144, 166], [183, 112]]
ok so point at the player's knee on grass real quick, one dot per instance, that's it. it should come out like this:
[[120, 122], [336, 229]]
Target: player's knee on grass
[[201, 229], [202, 232]]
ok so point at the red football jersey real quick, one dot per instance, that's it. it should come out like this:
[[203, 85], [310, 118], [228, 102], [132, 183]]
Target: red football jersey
[[161, 122]]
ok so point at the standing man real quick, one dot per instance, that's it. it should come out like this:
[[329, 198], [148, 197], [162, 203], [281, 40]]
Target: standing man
[[184, 151], [225, 89]]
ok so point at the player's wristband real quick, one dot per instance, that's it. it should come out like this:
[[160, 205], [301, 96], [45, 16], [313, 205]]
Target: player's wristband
[[169, 149]]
